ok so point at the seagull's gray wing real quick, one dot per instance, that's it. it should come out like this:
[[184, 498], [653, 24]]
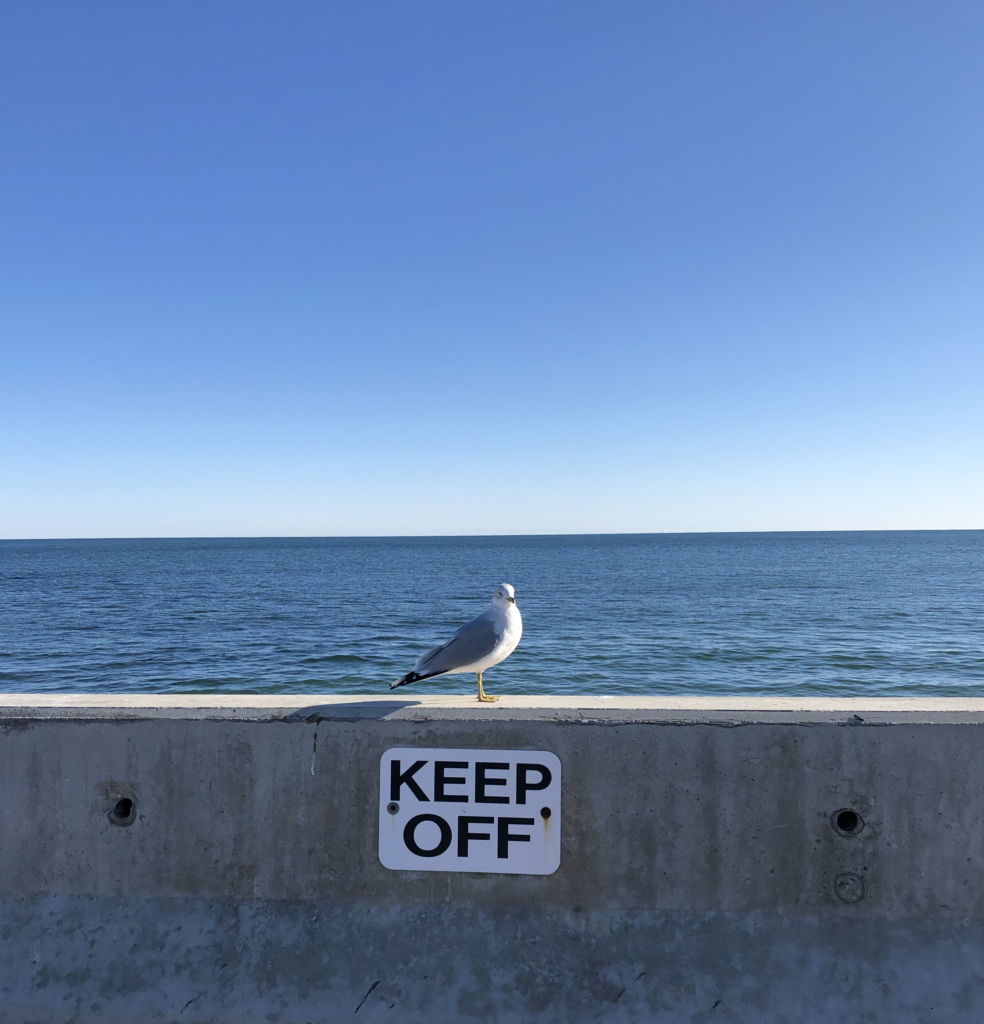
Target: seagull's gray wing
[[474, 641]]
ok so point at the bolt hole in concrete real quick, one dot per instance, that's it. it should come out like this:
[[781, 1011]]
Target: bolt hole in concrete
[[124, 812], [847, 822]]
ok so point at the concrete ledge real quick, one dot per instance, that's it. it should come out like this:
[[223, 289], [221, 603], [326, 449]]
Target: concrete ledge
[[427, 707], [732, 860]]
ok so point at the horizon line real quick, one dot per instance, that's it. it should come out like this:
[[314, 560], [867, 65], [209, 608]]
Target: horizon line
[[488, 536]]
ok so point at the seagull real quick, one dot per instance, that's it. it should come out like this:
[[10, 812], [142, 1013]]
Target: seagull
[[478, 645]]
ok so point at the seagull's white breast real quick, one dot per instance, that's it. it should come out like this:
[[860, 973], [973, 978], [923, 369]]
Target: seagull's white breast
[[512, 632]]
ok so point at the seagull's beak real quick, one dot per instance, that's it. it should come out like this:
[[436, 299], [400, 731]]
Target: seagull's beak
[[512, 600]]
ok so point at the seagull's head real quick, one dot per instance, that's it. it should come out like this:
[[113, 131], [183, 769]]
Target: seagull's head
[[504, 595]]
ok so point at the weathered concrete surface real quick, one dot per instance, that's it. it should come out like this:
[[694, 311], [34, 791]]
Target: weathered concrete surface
[[702, 875]]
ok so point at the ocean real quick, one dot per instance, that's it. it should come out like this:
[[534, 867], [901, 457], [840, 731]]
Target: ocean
[[838, 614]]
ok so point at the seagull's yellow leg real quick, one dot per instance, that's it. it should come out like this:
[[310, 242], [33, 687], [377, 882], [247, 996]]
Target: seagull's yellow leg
[[482, 695]]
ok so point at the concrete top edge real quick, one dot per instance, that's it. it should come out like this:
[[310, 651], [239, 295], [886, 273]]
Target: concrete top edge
[[586, 708]]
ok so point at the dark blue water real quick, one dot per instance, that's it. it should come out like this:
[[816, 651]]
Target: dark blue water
[[893, 613]]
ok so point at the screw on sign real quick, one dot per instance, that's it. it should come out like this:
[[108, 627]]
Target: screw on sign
[[494, 811]]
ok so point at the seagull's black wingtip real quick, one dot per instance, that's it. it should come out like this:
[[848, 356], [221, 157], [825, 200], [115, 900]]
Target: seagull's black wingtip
[[414, 677]]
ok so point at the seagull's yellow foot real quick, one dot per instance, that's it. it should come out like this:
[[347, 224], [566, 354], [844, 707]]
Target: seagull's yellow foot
[[482, 695]]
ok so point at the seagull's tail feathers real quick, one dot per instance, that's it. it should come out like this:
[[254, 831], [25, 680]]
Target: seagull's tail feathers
[[413, 677]]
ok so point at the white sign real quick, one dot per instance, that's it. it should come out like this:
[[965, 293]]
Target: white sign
[[496, 811]]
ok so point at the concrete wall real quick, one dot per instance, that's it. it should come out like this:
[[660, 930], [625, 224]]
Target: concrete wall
[[703, 876]]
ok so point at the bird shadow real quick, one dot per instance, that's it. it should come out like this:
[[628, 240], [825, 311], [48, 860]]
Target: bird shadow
[[356, 710]]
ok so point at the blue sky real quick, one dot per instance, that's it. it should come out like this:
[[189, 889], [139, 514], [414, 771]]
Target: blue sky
[[402, 268]]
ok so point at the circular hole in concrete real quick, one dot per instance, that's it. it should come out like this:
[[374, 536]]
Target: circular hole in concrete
[[124, 812], [847, 821]]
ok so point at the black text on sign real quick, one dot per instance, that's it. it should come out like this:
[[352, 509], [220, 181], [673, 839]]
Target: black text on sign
[[494, 811]]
